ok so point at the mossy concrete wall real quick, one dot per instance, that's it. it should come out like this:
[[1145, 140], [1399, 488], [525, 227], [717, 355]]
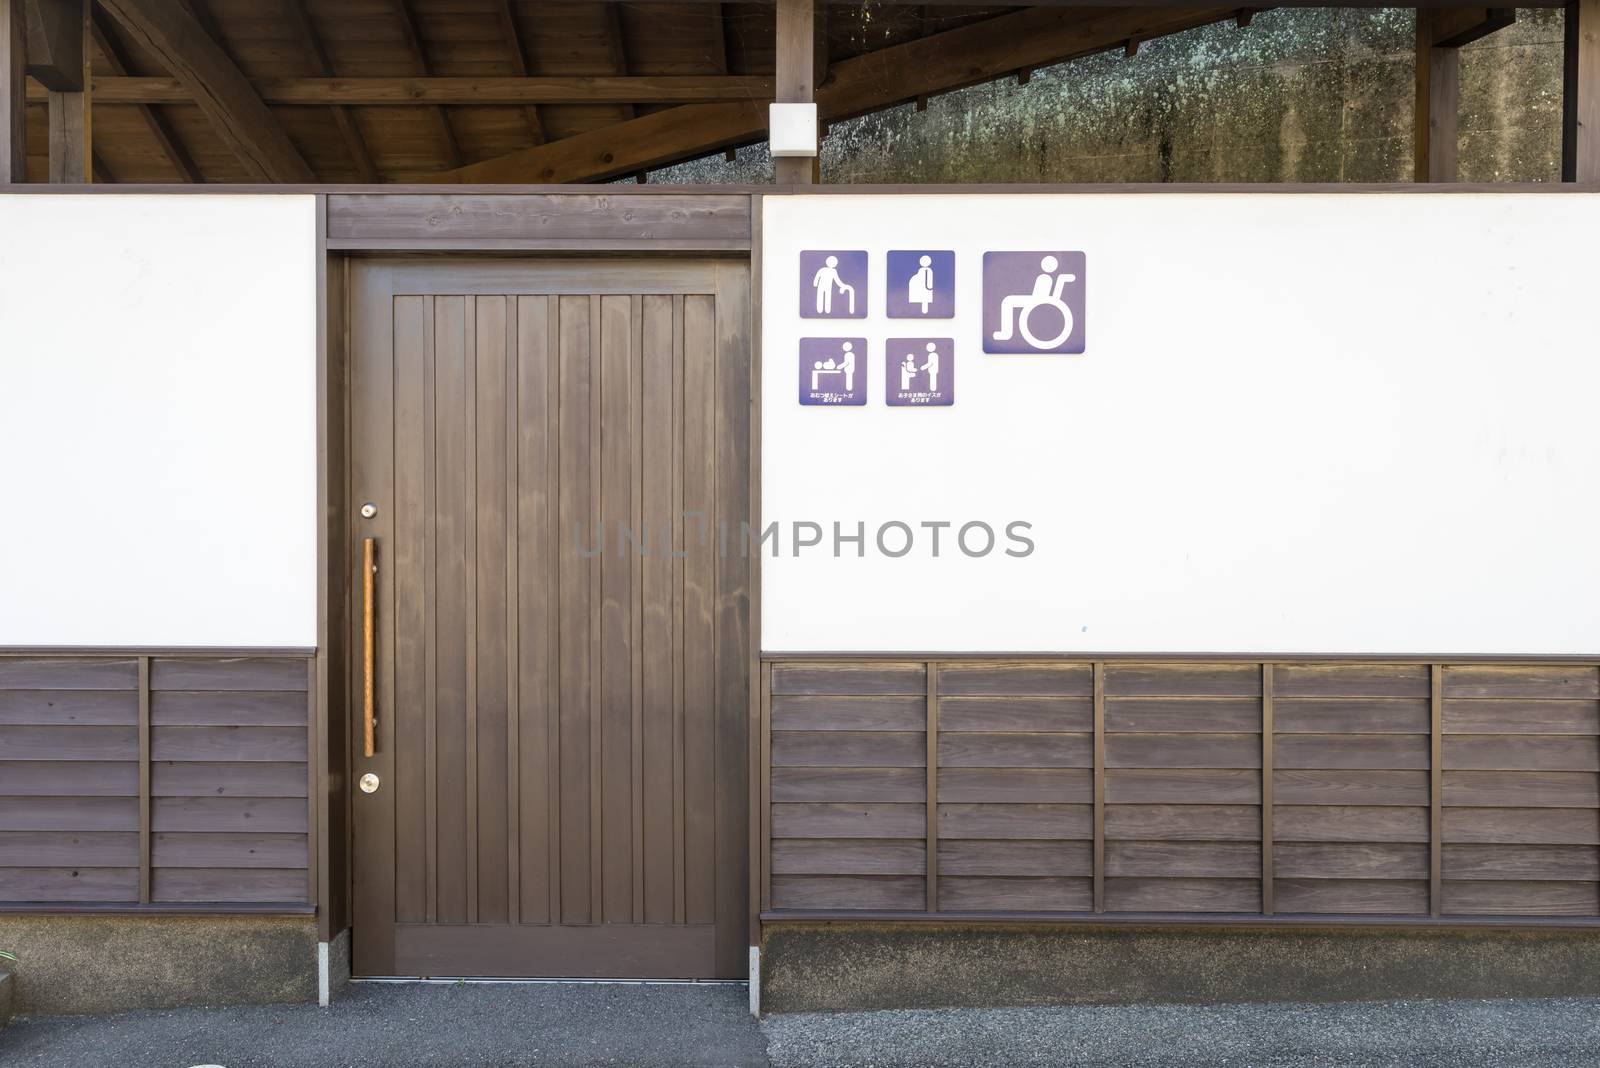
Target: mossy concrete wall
[[1300, 95]]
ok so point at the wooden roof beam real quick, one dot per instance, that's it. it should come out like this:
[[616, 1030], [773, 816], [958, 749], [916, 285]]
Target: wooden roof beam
[[300, 18], [432, 91], [55, 44], [166, 139], [175, 37], [413, 39], [519, 66], [13, 98]]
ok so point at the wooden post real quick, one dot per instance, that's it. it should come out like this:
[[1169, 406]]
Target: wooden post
[[796, 79], [1580, 142], [1438, 103], [13, 93], [71, 134]]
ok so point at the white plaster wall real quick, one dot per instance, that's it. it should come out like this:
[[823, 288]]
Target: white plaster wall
[[1345, 423], [157, 420]]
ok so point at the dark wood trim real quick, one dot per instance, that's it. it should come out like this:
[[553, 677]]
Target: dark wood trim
[[932, 731], [144, 780], [13, 93], [1214, 658], [1180, 920], [1436, 790], [1099, 862], [1268, 896]]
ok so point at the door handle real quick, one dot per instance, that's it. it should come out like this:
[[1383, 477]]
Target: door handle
[[369, 647]]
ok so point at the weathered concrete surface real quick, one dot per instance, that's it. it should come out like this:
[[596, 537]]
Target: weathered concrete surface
[[8, 996], [85, 963], [852, 967], [1301, 95]]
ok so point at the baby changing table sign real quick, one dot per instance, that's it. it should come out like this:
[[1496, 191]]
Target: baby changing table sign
[[833, 371], [1033, 302], [919, 371], [922, 285], [833, 284]]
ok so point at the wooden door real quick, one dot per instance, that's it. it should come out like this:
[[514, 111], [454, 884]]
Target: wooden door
[[561, 724]]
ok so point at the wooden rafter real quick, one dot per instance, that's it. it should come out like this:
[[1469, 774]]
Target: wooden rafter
[[719, 37], [165, 138], [617, 47], [306, 30], [431, 91], [419, 57], [55, 44], [519, 64]]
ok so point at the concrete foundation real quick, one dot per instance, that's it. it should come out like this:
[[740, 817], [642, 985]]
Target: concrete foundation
[[848, 967], [94, 963]]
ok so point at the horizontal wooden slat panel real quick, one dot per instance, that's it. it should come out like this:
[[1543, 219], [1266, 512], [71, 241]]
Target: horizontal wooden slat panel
[[843, 856], [69, 884], [24, 778], [265, 814], [202, 708], [804, 712], [1202, 823], [1032, 894], [1016, 714], [1399, 752], [1336, 896], [69, 743], [1350, 860], [1521, 752], [1016, 821], [287, 885], [238, 850], [229, 673], [70, 707], [1539, 826], [1349, 823], [53, 849], [1183, 859], [1521, 680], [1016, 679], [962, 857], [858, 679], [1486, 716], [1497, 898], [1042, 785], [228, 743], [1541, 862], [69, 673], [1133, 786], [1183, 680], [1350, 715], [1015, 750], [1183, 750], [1351, 680], [702, 220], [1206, 715], [1183, 895], [891, 892], [849, 749], [241, 779], [70, 813], [849, 821], [1522, 789], [1334, 786], [849, 784]]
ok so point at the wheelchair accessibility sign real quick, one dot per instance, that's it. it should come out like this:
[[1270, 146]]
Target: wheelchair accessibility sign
[[1033, 302]]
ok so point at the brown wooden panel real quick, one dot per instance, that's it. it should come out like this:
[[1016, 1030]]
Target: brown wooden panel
[[1013, 750], [849, 784], [1527, 752], [1521, 680], [229, 673], [262, 814], [849, 749], [802, 712], [227, 779], [1205, 823], [1016, 713], [1542, 826], [842, 679], [543, 220], [74, 707], [1521, 717], [1350, 860], [228, 743], [1526, 789], [1014, 857], [182, 849], [841, 856], [71, 813], [1206, 715], [1497, 898], [1349, 823], [1183, 750], [890, 892], [824, 820], [1025, 894], [61, 778], [1183, 680], [1350, 715], [1182, 895], [1351, 680], [1382, 896], [989, 678], [1570, 863], [1016, 821], [1135, 786], [618, 382], [71, 743], [69, 673], [1343, 787], [71, 884], [204, 708], [1400, 752], [1183, 859], [1026, 785], [59, 849], [287, 885], [700, 435]]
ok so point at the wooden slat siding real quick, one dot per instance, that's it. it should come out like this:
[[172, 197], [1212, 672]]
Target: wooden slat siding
[[406, 611], [69, 814], [283, 885], [1386, 681], [1436, 792], [69, 707], [849, 749], [181, 849], [146, 787], [1349, 823], [617, 374], [542, 220], [69, 743], [850, 679], [849, 856], [988, 821], [932, 759], [1015, 680], [848, 784], [1170, 715], [69, 673], [229, 814], [229, 743], [1184, 823], [1399, 752], [83, 849], [1269, 757], [210, 708], [887, 892], [228, 673], [1519, 790], [69, 885], [1097, 869], [1182, 680], [1029, 714], [832, 713], [655, 627], [699, 602], [1351, 896], [1351, 715]]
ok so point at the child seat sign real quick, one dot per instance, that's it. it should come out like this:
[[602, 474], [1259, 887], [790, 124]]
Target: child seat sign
[[920, 371], [833, 370]]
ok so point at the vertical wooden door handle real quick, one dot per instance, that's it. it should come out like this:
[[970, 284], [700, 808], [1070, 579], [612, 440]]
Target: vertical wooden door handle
[[369, 647]]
